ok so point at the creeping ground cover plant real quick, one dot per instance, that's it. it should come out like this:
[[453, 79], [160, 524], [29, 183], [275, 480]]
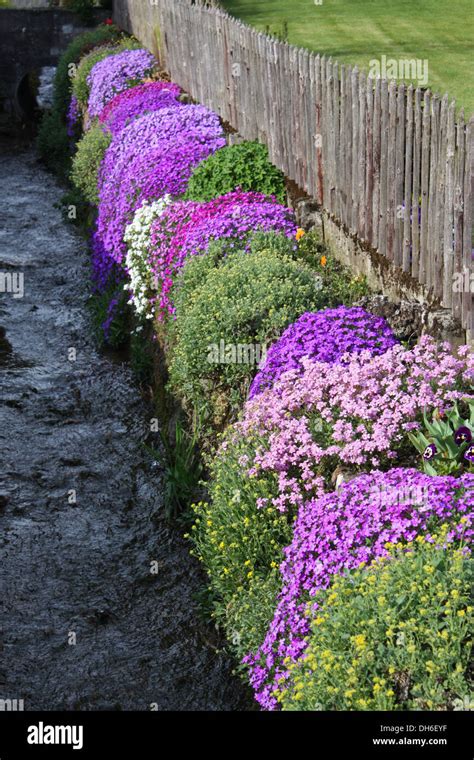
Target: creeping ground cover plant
[[356, 414], [138, 101], [117, 73], [323, 336], [393, 635], [337, 533], [149, 158]]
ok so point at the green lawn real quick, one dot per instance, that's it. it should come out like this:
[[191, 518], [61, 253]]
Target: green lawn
[[356, 31]]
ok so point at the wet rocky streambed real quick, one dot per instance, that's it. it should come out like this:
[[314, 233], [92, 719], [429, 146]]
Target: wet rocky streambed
[[98, 602]]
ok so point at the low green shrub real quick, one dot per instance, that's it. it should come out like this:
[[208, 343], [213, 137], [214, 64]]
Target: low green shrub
[[86, 163], [245, 166], [241, 548], [338, 285], [227, 312], [394, 636], [53, 143]]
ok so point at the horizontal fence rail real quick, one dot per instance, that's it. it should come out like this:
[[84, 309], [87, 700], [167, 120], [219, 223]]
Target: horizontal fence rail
[[392, 163]]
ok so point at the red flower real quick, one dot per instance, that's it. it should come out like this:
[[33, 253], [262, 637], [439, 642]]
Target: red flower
[[108, 21]]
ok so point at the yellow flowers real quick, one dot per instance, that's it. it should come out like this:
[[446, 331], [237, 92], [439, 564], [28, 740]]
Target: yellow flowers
[[300, 233], [323, 261], [360, 641]]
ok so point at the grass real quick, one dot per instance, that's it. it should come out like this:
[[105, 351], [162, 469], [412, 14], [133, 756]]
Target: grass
[[356, 31]]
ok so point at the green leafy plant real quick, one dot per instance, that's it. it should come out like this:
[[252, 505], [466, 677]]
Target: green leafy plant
[[53, 143], [111, 315], [182, 467], [86, 163], [79, 47], [396, 635], [224, 324], [445, 443], [245, 166], [241, 548], [83, 8]]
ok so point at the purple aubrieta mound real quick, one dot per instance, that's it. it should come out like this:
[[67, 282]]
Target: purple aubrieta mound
[[116, 73], [151, 157], [337, 533], [138, 101], [323, 336]]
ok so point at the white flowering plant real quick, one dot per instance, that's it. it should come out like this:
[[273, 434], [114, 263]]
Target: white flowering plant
[[137, 238]]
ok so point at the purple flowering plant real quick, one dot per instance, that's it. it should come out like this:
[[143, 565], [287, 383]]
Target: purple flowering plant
[[151, 157], [138, 101], [326, 336], [337, 533], [116, 73]]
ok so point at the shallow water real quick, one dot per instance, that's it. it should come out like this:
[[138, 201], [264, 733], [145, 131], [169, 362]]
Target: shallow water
[[84, 623]]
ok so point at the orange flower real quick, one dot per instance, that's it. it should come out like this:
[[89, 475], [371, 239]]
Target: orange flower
[[299, 233], [323, 261]]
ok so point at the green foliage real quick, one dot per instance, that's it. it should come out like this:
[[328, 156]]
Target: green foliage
[[80, 87], [241, 547], [83, 8], [52, 141], [227, 311], [394, 636], [338, 285], [53, 144], [451, 435], [245, 166], [86, 163], [71, 57], [182, 468]]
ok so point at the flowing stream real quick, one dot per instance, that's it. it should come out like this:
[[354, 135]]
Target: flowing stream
[[85, 623]]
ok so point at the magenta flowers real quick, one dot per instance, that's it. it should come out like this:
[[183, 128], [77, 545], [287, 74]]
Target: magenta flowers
[[138, 101], [187, 228]]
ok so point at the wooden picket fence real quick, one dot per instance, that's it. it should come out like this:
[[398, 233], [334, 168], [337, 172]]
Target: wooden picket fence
[[392, 163]]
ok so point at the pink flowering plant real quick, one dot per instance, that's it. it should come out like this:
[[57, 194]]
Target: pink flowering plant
[[355, 414], [187, 228], [138, 101]]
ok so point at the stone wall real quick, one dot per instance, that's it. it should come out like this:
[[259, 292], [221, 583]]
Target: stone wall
[[29, 40]]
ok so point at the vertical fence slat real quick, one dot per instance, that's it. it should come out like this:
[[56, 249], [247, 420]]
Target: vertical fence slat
[[416, 203]]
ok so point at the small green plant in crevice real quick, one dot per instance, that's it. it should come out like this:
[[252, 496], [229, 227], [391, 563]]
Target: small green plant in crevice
[[446, 443], [111, 316], [182, 469], [141, 357], [76, 210]]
